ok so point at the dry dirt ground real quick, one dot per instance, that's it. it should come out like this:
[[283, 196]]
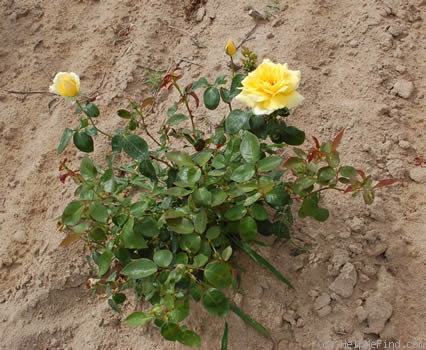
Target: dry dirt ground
[[363, 69]]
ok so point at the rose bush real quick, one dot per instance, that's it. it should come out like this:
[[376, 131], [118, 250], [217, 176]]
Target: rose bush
[[166, 222]]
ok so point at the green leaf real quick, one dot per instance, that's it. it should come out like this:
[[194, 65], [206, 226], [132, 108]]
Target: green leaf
[[248, 229], [250, 148], [294, 163], [188, 176], [125, 114], [180, 158], [304, 184], [116, 144], [181, 225], [72, 213], [170, 331], [224, 343], [138, 318], [148, 227], [190, 243], [237, 120], [218, 197], [87, 169], [177, 119], [215, 302], [135, 146], [349, 172], [65, 139], [83, 141], [92, 110], [258, 212], [139, 268], [261, 260], [119, 298], [131, 238], [108, 182], [236, 84], [202, 197], [163, 258], [200, 83], [97, 235], [293, 136], [247, 319], [310, 208], [225, 94], [200, 260], [278, 198], [326, 174], [203, 157], [147, 169], [218, 274], [227, 253], [213, 232], [252, 199], [98, 212], [104, 263], [177, 192], [258, 126], [200, 221], [196, 292], [235, 213], [243, 173], [269, 163], [211, 98], [189, 338]]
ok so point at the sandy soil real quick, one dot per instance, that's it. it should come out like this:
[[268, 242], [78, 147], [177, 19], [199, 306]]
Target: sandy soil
[[363, 69]]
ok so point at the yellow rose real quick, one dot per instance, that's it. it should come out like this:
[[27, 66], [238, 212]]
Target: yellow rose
[[230, 48], [65, 84], [270, 87]]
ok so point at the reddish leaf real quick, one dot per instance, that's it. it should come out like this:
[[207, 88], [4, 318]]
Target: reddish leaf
[[63, 177], [360, 172], [349, 189], [197, 100], [317, 144], [337, 140], [148, 101], [386, 182]]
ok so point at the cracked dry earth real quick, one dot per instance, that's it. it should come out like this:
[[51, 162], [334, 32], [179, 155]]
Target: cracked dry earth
[[363, 70]]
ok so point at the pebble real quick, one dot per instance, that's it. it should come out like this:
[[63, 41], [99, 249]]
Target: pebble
[[403, 88], [200, 14], [395, 30], [378, 312], [369, 270], [323, 300], [19, 237], [418, 175], [357, 224], [396, 168], [344, 284], [324, 311], [404, 144], [353, 43], [345, 234], [356, 248]]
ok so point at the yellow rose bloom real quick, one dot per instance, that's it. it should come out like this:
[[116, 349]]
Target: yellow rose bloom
[[270, 87], [65, 84], [230, 48]]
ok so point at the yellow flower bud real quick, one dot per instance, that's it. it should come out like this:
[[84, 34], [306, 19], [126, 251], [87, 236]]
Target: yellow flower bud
[[66, 84], [230, 48]]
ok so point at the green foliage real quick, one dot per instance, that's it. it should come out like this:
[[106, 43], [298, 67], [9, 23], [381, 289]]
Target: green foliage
[[166, 221]]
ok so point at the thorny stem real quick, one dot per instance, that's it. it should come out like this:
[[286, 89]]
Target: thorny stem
[[185, 100], [91, 120], [146, 128]]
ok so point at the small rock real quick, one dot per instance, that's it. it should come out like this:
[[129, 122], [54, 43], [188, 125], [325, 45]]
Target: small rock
[[270, 35], [361, 314], [378, 249], [363, 278], [378, 312], [353, 43], [404, 144], [324, 311], [356, 248], [345, 234], [357, 224], [300, 323], [369, 270], [289, 317], [200, 14], [418, 175], [400, 68], [344, 284], [19, 237], [382, 110], [395, 30], [298, 262], [396, 168], [403, 88], [323, 300]]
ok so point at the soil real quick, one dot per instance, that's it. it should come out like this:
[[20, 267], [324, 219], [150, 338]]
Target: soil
[[363, 70]]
